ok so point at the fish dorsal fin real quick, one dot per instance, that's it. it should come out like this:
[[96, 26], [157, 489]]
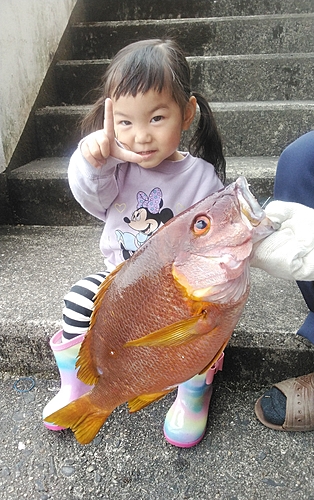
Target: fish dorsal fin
[[144, 400], [87, 371], [101, 292]]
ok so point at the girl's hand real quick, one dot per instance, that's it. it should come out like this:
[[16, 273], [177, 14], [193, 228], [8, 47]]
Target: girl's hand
[[96, 147]]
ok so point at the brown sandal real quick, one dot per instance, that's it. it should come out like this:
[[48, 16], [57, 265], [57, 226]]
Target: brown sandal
[[300, 404]]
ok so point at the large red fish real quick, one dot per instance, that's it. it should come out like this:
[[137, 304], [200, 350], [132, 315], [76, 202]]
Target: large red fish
[[167, 313]]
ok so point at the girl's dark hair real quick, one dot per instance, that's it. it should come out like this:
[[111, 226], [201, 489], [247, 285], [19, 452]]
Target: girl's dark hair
[[158, 65]]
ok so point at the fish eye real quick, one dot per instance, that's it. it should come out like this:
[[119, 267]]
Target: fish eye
[[201, 225]]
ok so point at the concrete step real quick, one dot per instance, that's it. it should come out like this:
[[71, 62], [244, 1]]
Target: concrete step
[[247, 128], [40, 194], [77, 81], [39, 264], [267, 77], [279, 33], [168, 9], [129, 459]]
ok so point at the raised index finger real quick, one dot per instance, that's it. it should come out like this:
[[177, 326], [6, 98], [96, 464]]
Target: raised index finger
[[108, 120], [115, 150]]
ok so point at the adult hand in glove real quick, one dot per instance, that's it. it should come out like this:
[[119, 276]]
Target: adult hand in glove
[[288, 253]]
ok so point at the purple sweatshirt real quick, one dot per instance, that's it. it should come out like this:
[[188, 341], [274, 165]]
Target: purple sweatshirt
[[133, 201]]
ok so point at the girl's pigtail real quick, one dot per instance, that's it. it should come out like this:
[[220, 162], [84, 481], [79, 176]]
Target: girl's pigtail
[[94, 120], [206, 142]]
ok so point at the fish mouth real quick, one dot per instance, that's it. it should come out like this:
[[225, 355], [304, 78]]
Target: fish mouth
[[251, 211]]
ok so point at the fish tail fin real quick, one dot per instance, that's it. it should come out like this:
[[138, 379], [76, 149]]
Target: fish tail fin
[[82, 416]]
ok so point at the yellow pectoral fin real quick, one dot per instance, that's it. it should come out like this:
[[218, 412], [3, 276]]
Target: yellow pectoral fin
[[178, 333], [140, 402]]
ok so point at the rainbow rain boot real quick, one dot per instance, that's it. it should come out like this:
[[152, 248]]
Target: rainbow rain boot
[[185, 422], [71, 387]]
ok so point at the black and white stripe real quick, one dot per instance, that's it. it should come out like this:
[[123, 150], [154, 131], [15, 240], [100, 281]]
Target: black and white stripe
[[79, 303]]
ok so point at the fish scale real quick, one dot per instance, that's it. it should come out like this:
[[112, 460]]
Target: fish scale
[[143, 317]]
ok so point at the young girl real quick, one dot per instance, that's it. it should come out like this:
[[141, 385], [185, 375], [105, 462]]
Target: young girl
[[129, 173]]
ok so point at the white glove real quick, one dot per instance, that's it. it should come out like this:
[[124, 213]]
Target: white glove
[[288, 253]]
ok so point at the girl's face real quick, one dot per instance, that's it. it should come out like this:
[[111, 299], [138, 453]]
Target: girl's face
[[151, 125]]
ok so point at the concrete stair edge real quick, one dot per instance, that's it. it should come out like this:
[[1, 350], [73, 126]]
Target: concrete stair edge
[[195, 20], [43, 183], [143, 9], [220, 78], [204, 36], [57, 167], [248, 128]]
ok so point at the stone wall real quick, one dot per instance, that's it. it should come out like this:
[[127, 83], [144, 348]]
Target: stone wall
[[30, 32]]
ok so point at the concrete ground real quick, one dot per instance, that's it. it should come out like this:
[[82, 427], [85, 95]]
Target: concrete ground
[[238, 459]]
